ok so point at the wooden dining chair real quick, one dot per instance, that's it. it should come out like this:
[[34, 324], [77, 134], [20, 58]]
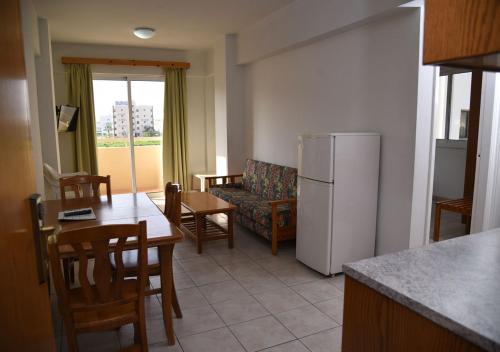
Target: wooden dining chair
[[173, 213], [85, 186], [109, 301]]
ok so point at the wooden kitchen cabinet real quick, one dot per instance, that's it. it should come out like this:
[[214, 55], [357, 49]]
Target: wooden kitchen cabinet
[[462, 33]]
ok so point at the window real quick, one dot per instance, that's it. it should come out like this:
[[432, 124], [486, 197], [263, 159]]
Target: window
[[126, 150], [453, 100]]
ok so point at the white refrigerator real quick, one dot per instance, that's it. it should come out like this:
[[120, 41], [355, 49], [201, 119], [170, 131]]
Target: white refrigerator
[[337, 196]]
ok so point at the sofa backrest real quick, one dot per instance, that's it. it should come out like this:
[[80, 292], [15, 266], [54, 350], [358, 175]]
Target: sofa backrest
[[270, 181]]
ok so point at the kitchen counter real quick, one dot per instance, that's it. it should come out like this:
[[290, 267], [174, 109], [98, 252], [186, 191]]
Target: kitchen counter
[[454, 283]]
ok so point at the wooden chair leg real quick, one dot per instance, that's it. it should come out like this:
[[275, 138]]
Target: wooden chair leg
[[140, 334], [70, 336], [437, 223]]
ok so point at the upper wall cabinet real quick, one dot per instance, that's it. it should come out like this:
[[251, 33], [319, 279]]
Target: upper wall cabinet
[[462, 33]]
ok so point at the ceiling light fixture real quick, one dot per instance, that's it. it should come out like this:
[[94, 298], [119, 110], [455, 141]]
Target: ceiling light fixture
[[144, 32]]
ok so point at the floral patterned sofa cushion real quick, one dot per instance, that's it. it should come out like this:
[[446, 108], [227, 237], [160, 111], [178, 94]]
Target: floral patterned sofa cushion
[[262, 182], [270, 181]]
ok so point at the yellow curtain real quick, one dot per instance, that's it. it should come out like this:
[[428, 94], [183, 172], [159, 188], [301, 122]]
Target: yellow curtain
[[81, 95], [175, 152]]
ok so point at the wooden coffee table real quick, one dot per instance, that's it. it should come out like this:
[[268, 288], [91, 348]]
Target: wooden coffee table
[[197, 222]]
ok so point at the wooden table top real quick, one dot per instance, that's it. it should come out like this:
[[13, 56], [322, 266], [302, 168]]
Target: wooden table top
[[123, 209], [205, 203]]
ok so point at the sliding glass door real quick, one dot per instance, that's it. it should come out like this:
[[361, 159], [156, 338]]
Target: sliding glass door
[[129, 125]]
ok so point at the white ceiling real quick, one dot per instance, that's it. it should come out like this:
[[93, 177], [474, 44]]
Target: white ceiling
[[181, 24]]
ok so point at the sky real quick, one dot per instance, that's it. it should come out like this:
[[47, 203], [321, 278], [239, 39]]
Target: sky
[[106, 92]]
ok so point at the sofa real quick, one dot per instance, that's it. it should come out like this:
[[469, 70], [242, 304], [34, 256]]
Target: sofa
[[265, 198]]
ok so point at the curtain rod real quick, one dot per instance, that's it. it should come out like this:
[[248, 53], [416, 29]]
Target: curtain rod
[[123, 62]]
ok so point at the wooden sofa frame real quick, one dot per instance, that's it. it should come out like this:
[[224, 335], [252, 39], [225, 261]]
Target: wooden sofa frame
[[278, 233]]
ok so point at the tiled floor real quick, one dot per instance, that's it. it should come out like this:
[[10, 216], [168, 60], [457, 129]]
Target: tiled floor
[[241, 299]]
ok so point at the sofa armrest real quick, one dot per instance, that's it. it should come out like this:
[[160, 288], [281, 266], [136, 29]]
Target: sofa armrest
[[211, 181], [293, 210]]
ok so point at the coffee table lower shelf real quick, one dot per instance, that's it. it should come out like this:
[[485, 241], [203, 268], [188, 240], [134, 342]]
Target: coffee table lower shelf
[[202, 229]]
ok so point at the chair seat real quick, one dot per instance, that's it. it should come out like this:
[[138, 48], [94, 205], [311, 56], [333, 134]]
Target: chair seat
[[129, 258], [104, 317]]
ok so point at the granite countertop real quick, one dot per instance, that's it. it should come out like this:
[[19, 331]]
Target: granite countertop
[[454, 283]]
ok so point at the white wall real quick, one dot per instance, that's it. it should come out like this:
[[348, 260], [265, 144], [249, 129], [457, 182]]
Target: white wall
[[196, 82], [364, 79], [31, 49], [46, 100], [220, 105], [305, 20], [449, 170]]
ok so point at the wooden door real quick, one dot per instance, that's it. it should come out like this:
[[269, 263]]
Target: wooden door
[[25, 316]]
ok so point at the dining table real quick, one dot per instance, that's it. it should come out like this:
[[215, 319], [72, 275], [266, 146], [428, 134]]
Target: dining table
[[125, 209]]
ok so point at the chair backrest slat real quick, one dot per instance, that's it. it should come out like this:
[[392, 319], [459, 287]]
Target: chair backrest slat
[[85, 186], [82, 272], [102, 277], [173, 203], [120, 268], [98, 242]]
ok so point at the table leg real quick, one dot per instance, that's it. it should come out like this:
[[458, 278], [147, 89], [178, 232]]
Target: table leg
[[199, 231], [175, 302], [166, 277], [230, 239]]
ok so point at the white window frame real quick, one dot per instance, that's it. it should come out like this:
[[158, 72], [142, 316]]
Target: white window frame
[[131, 133]]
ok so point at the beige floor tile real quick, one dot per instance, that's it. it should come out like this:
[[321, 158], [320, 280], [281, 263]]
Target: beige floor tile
[[277, 263], [186, 252], [262, 282], [244, 268], [223, 291], [209, 275], [261, 333], [297, 274], [163, 347], [334, 308], [240, 310], [306, 320], [317, 291], [220, 340], [191, 298], [197, 320], [293, 346], [182, 280], [228, 257], [337, 281], [280, 300], [326, 341], [197, 263]]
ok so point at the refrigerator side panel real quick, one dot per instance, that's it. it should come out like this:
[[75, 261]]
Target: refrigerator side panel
[[315, 157], [314, 209], [355, 199]]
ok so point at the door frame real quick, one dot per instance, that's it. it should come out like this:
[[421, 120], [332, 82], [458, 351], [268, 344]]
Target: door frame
[[486, 202]]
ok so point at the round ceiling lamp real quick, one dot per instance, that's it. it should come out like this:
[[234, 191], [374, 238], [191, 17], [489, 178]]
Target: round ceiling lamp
[[144, 32]]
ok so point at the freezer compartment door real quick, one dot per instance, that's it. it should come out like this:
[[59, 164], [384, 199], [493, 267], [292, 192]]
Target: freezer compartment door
[[314, 224], [315, 157]]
